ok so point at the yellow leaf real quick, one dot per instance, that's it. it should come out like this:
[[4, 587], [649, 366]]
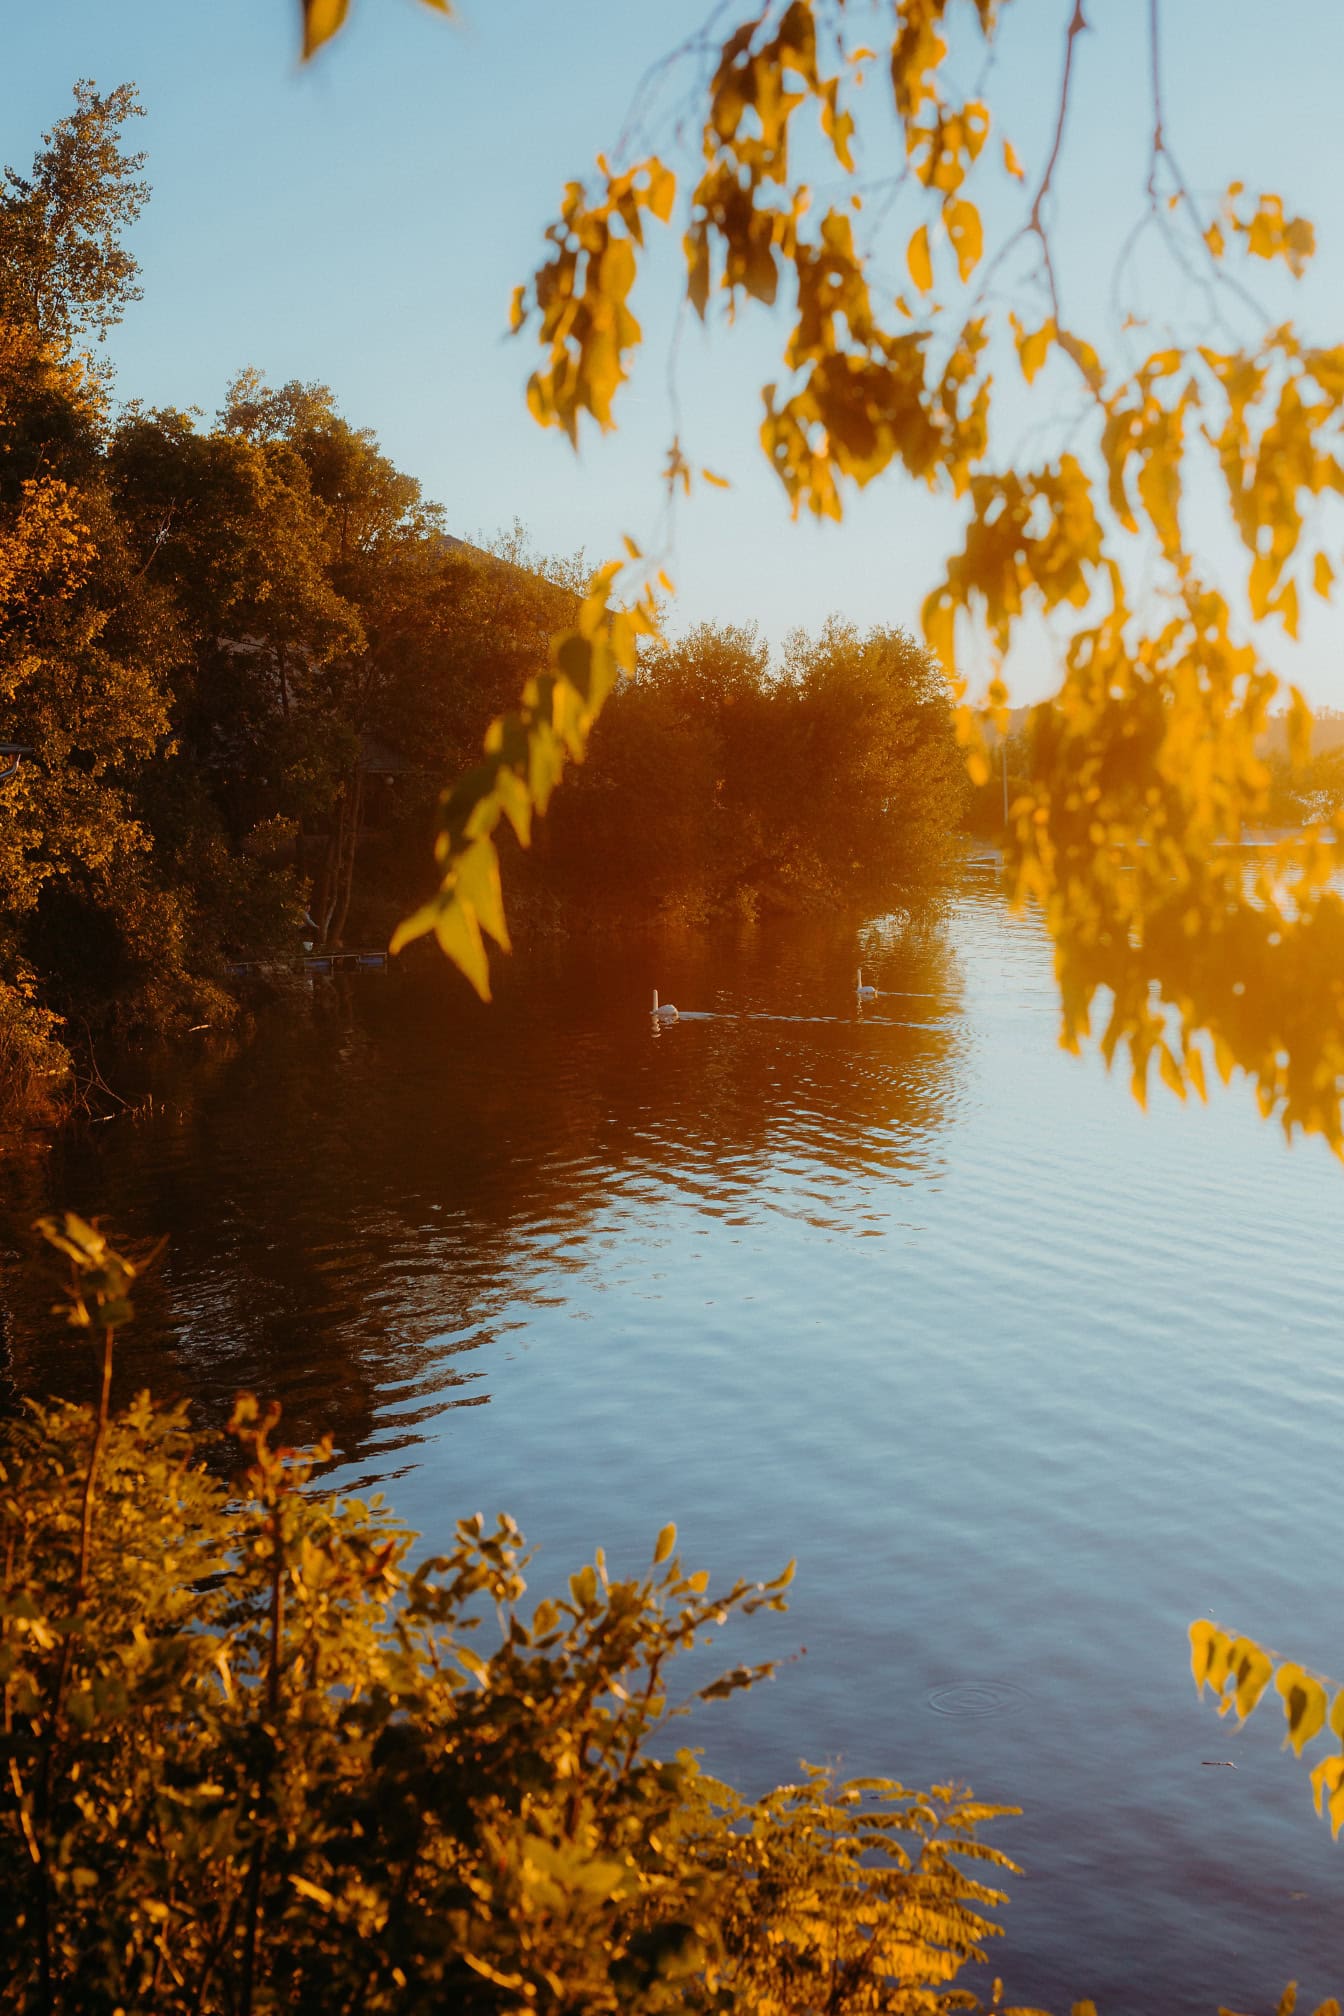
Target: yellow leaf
[[667, 1540], [1284, 605], [478, 885], [967, 234], [1251, 1670], [662, 190], [1323, 577], [319, 1896], [1170, 1071], [1213, 238], [1194, 1071], [1033, 350], [1011, 162], [1209, 1655], [918, 261], [1328, 1776], [321, 20], [719, 482], [1084, 356], [1303, 1704]]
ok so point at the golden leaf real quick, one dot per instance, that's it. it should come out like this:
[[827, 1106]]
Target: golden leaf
[[1210, 1651], [1011, 162], [1328, 1777], [967, 234], [662, 190], [918, 260], [321, 20], [1033, 350], [1304, 1703]]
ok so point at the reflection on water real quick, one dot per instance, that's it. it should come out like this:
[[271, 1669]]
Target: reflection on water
[[1025, 1379], [390, 1177]]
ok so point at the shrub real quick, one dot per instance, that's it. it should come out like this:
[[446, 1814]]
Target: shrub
[[252, 1759]]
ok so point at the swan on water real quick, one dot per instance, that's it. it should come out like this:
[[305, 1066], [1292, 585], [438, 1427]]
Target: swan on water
[[667, 1013], [864, 993]]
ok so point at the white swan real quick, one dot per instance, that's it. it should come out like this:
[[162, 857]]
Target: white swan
[[864, 993], [667, 1013]]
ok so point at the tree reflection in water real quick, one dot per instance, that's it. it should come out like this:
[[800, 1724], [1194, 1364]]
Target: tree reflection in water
[[359, 1202]]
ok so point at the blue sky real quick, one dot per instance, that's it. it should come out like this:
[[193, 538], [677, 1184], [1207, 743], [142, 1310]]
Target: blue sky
[[362, 222]]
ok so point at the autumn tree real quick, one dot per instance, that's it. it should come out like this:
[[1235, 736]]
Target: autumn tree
[[876, 784], [229, 530], [718, 781], [65, 272], [63, 279]]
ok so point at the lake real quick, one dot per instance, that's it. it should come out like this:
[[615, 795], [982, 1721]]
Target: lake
[[1026, 1379]]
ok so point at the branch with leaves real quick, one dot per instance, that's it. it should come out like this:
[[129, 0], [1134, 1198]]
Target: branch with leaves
[[1146, 767], [1237, 1673]]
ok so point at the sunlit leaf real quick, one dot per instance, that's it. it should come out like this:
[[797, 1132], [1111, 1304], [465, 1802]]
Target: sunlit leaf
[[966, 233], [321, 20], [1304, 1704]]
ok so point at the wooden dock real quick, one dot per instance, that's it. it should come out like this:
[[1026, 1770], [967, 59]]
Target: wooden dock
[[309, 962]]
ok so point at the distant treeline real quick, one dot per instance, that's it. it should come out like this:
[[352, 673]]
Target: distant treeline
[[245, 654]]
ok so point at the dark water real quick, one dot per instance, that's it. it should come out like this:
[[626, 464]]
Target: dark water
[[1025, 1379]]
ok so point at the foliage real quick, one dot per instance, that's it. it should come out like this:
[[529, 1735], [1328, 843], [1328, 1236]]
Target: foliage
[[718, 782], [1237, 1672], [244, 653], [253, 1759], [524, 757], [1145, 764], [1305, 793], [64, 271], [33, 1061]]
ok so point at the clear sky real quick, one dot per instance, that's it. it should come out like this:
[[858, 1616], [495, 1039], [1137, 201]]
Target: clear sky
[[362, 222]]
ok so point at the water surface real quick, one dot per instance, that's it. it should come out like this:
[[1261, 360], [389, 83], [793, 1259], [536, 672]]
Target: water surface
[[1024, 1378]]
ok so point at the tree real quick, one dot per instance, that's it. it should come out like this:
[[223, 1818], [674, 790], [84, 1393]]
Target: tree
[[716, 782], [230, 529], [82, 663], [64, 271], [876, 781]]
